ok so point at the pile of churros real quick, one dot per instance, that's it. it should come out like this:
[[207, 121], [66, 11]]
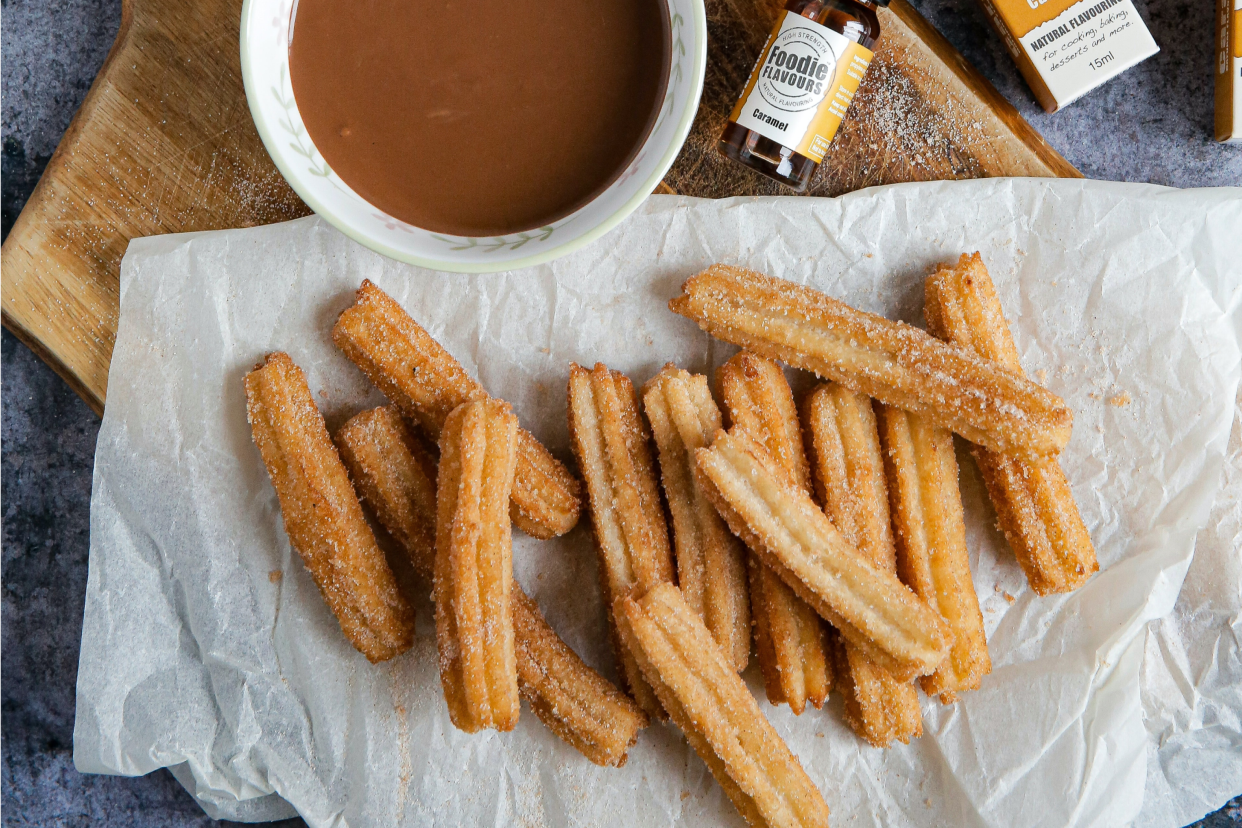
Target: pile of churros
[[828, 530]]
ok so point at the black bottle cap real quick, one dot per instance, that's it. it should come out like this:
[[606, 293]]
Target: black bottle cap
[[881, 2]]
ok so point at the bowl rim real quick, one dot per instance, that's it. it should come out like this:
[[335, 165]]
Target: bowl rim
[[680, 133]]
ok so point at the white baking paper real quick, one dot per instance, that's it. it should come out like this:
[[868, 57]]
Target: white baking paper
[[206, 647]]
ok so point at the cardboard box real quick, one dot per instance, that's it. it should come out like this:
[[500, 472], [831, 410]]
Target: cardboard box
[[1066, 48], [1229, 71]]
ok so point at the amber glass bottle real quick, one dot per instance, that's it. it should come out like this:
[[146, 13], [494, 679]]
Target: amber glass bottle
[[800, 88]]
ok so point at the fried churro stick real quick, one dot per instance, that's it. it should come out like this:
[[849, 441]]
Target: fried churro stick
[[576, 703], [426, 383], [711, 704], [873, 610], [579, 705], [790, 637], [1032, 498], [844, 447], [892, 362], [631, 535], [396, 476], [711, 562], [321, 513], [931, 543], [474, 566]]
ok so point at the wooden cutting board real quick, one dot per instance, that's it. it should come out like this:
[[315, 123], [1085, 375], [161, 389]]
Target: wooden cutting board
[[164, 143]]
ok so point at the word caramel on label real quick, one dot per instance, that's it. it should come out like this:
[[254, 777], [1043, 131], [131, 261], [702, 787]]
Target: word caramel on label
[[1229, 71], [802, 85], [1066, 48]]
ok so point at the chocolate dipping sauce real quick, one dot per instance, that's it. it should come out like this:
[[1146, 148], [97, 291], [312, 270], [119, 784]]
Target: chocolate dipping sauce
[[479, 119]]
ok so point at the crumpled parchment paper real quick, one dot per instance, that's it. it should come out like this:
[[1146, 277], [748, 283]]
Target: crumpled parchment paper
[[207, 649]]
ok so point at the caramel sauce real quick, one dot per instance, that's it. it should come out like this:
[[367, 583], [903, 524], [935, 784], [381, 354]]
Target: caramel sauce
[[479, 120]]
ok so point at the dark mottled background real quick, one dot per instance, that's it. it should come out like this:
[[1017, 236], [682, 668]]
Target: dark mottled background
[[1152, 124]]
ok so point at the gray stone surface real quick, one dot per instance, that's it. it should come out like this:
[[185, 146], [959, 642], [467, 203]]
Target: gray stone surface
[[1152, 124]]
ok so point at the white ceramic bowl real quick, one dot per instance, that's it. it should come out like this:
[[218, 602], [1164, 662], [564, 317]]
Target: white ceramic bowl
[[265, 71]]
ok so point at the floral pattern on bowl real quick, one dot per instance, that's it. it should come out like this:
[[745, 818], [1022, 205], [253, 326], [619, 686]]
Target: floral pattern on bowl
[[265, 71]]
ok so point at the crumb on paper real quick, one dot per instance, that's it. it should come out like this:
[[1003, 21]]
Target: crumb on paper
[[545, 350], [685, 795], [927, 803], [819, 735], [1120, 400], [1042, 376], [275, 575], [1008, 598]]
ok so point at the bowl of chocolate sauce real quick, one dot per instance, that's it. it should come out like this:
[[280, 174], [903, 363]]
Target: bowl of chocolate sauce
[[468, 137]]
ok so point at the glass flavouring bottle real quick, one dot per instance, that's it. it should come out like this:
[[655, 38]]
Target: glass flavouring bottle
[[801, 87]]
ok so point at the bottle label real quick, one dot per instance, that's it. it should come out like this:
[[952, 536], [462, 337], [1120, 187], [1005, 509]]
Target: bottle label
[[802, 85]]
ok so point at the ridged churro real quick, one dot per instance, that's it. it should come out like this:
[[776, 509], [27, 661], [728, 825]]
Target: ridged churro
[[932, 558], [321, 513], [711, 562], [720, 718], [844, 447], [892, 362], [426, 383], [869, 606], [576, 703], [1032, 498], [392, 471], [396, 476], [631, 535], [789, 635], [474, 566]]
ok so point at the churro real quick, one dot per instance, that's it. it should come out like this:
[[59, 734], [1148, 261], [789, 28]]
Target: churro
[[474, 566], [321, 513], [789, 636], [396, 476], [704, 697], [844, 447], [931, 543], [1032, 498], [869, 606], [711, 562], [631, 536], [426, 383], [892, 362], [393, 471], [576, 703]]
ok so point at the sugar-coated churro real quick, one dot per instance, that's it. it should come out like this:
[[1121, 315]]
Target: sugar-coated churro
[[789, 636], [844, 447], [474, 566], [631, 535], [396, 476], [892, 362], [720, 718], [575, 702], [321, 513], [392, 469], [1033, 500], [869, 606], [931, 543], [711, 562], [426, 383]]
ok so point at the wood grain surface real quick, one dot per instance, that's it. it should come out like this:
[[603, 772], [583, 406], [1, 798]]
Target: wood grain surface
[[164, 143]]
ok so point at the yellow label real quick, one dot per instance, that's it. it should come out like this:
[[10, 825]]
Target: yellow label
[[849, 73], [1024, 15], [1237, 32], [802, 85]]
